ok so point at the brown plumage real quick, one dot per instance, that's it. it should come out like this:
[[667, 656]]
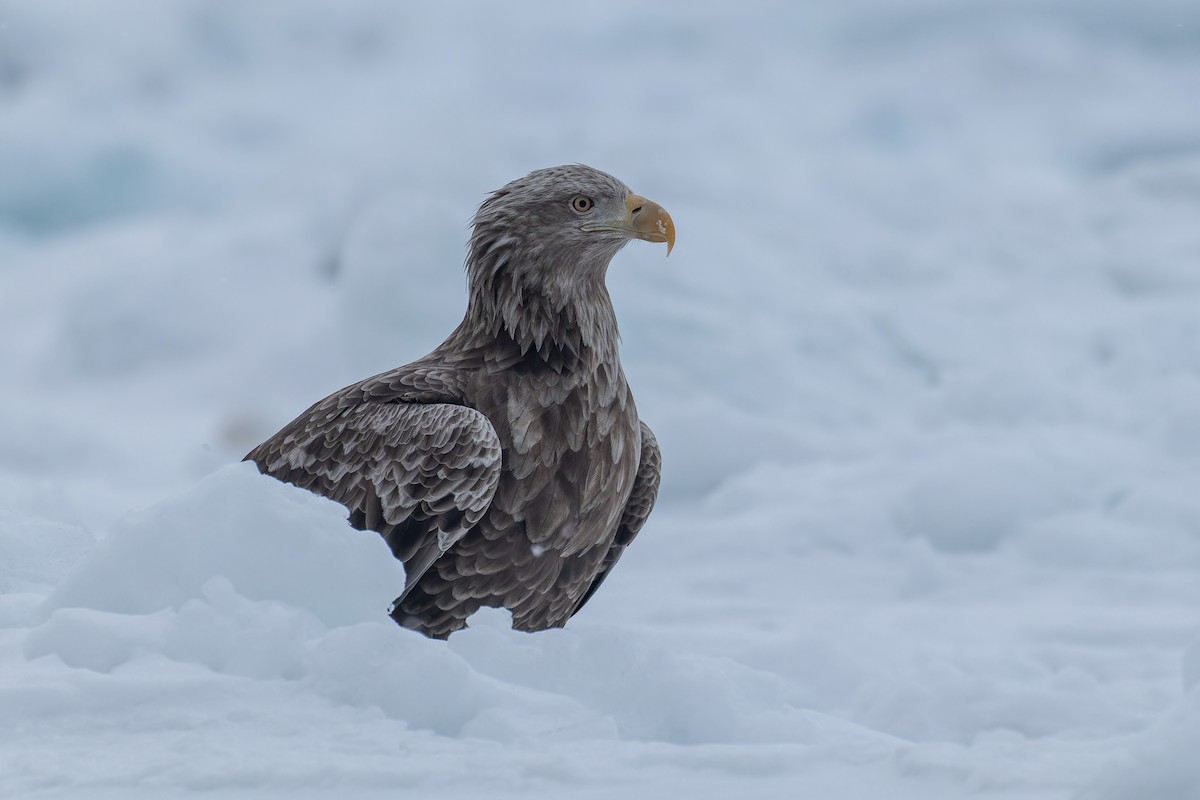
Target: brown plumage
[[508, 467]]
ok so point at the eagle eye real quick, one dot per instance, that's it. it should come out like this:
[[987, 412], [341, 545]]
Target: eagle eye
[[581, 204]]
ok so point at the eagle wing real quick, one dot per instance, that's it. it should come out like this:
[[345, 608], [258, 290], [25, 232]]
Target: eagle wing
[[637, 509], [421, 474]]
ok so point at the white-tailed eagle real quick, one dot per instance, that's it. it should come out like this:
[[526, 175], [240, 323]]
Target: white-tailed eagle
[[508, 467]]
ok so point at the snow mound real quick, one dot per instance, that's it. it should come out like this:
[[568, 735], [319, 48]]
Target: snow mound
[[249, 577], [269, 541], [35, 553], [650, 692]]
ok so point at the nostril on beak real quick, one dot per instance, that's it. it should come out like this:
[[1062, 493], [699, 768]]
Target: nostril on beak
[[637, 210]]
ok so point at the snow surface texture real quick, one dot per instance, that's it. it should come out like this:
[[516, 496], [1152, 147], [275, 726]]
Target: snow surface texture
[[924, 365]]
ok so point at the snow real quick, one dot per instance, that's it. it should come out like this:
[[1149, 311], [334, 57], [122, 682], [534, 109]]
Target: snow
[[925, 370]]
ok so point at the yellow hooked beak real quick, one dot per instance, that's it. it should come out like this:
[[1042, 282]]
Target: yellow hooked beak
[[643, 219]]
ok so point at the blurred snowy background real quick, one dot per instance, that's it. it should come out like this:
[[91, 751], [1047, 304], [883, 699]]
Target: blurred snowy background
[[925, 367]]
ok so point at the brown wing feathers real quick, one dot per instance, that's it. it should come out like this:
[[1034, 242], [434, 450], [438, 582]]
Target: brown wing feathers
[[637, 509], [420, 474]]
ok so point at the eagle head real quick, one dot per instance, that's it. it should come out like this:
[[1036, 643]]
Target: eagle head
[[539, 251], [568, 220]]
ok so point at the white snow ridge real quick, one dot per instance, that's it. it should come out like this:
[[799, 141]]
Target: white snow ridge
[[924, 367]]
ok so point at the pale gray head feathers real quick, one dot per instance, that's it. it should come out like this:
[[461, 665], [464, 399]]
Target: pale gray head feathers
[[534, 273]]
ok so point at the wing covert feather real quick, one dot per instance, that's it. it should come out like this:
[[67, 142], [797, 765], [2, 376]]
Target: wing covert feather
[[637, 509], [420, 474]]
